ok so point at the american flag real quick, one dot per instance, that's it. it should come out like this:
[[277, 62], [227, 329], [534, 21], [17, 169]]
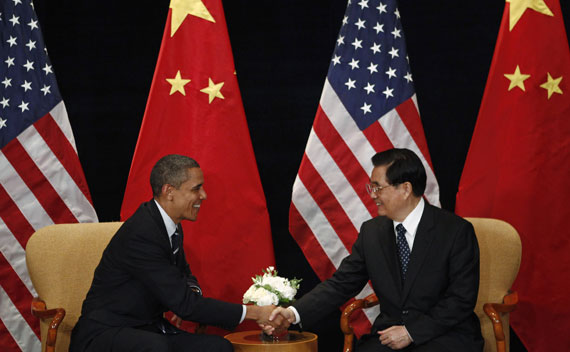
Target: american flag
[[41, 180], [368, 104]]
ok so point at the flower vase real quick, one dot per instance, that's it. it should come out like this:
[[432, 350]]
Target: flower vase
[[278, 335]]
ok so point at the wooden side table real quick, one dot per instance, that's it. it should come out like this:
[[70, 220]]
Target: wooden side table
[[250, 341]]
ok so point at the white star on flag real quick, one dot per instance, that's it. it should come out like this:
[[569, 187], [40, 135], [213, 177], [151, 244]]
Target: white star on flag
[[388, 92], [366, 108], [354, 64], [394, 52]]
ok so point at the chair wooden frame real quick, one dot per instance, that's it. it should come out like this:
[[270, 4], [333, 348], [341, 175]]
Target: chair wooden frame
[[493, 309], [40, 311]]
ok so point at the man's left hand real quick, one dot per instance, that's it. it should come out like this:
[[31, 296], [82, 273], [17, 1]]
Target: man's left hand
[[396, 337]]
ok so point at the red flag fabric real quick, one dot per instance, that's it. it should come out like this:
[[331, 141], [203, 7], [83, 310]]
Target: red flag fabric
[[194, 108], [41, 179], [368, 104], [518, 164]]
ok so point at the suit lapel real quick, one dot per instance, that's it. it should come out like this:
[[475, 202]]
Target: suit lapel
[[164, 238], [422, 243], [387, 240]]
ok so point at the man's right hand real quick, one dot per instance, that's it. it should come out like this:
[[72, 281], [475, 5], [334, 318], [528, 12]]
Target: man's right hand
[[259, 314], [279, 319]]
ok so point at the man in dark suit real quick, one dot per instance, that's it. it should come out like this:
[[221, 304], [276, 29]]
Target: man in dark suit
[[423, 263], [143, 273]]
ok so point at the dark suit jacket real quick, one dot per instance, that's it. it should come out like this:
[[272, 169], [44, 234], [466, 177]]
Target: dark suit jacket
[[439, 295], [138, 279]]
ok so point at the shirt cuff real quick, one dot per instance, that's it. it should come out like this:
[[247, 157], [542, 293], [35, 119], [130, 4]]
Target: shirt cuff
[[297, 316], [407, 332], [244, 310]]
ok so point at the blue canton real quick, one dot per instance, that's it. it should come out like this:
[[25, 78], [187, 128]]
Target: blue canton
[[369, 70], [28, 89]]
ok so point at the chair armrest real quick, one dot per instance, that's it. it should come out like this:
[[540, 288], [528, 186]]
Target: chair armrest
[[57, 314], [369, 301], [493, 309]]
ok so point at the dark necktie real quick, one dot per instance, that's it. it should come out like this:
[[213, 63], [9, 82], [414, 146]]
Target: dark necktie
[[175, 242], [403, 250]]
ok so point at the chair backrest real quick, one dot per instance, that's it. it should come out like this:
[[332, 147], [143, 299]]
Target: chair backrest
[[500, 256], [61, 260]]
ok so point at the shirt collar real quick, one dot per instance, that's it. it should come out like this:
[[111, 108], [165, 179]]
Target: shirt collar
[[412, 221], [168, 223]]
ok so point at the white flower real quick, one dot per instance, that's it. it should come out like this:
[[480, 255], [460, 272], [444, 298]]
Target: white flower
[[260, 296], [268, 299], [276, 282], [289, 292], [271, 289]]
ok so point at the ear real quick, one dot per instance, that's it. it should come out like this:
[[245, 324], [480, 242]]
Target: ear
[[166, 191], [408, 189]]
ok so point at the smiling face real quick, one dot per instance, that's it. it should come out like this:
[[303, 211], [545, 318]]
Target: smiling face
[[183, 203], [392, 200]]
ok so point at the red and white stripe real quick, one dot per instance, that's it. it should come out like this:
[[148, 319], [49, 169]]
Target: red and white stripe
[[41, 183], [329, 201]]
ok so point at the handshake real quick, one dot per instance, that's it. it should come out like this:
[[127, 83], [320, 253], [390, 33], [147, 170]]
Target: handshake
[[271, 318]]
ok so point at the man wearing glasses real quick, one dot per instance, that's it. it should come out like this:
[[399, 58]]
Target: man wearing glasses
[[423, 263]]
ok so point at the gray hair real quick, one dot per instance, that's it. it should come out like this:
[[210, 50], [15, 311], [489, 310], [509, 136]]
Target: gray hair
[[171, 169]]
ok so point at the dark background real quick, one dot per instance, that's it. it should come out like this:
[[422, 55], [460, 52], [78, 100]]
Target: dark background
[[104, 54]]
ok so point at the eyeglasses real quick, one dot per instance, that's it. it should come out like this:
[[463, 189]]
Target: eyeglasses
[[372, 188]]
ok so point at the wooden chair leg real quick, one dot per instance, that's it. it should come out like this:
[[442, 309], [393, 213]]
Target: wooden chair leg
[[369, 301], [493, 311], [39, 310]]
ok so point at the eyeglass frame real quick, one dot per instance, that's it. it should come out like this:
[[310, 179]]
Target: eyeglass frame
[[372, 188]]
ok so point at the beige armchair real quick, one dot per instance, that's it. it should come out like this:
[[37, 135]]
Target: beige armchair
[[500, 257], [61, 260]]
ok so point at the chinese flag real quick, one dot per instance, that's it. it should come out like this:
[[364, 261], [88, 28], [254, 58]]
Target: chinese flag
[[518, 165], [194, 108]]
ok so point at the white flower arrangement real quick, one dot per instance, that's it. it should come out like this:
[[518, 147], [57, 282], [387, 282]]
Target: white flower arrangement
[[270, 289]]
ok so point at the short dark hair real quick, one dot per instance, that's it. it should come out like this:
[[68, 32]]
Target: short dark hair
[[171, 169], [403, 166]]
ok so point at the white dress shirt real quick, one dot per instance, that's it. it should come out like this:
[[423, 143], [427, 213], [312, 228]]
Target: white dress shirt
[[411, 223]]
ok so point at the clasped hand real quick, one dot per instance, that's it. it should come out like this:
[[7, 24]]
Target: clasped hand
[[279, 320], [396, 337]]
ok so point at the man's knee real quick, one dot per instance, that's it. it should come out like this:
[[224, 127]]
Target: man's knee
[[154, 345], [135, 340]]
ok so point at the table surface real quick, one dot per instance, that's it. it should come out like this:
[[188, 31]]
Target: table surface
[[251, 341]]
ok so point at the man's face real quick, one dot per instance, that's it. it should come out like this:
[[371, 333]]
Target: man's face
[[188, 197], [389, 199]]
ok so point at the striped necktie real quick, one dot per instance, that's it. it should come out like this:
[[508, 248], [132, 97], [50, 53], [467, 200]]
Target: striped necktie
[[175, 242]]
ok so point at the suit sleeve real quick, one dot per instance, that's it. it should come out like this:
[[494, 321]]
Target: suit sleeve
[[150, 264], [346, 282], [459, 298]]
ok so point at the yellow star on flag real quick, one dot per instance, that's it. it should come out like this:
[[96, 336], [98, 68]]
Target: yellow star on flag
[[177, 84], [517, 79], [518, 7], [183, 8], [551, 85], [213, 90]]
